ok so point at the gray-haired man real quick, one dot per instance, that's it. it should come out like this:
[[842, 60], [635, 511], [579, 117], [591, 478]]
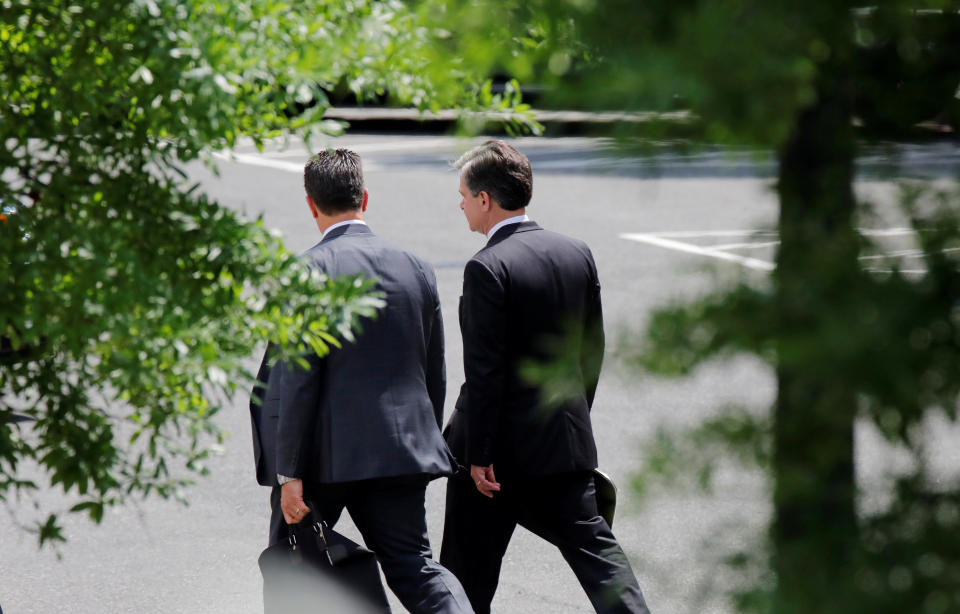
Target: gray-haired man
[[528, 295]]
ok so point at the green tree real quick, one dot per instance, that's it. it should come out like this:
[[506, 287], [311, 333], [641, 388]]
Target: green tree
[[846, 344], [131, 301]]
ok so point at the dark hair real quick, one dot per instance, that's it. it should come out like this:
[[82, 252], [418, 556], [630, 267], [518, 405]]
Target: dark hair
[[499, 170], [333, 180]]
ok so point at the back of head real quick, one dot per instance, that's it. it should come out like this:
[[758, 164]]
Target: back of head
[[499, 170], [333, 180]]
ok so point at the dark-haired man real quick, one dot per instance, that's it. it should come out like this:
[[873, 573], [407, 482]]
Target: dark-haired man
[[530, 295], [360, 429]]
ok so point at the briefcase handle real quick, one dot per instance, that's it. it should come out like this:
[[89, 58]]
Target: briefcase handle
[[318, 526], [318, 523]]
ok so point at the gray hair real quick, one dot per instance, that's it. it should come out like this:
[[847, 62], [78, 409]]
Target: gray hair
[[499, 170]]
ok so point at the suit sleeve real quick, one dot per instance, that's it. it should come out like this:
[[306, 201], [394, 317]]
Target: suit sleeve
[[299, 401], [436, 367], [484, 358], [591, 354]]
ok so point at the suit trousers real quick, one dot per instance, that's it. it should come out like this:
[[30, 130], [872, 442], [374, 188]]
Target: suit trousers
[[391, 517], [560, 508]]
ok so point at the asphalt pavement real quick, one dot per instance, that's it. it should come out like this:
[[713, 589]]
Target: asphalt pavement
[[663, 228]]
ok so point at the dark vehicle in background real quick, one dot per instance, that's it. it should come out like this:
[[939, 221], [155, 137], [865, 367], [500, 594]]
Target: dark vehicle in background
[[911, 74]]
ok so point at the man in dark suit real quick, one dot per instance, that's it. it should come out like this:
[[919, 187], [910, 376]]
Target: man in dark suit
[[360, 429], [530, 297]]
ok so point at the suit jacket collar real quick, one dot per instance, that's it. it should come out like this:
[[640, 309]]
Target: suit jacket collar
[[347, 229], [510, 229]]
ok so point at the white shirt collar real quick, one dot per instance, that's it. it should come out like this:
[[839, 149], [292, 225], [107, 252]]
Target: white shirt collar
[[510, 220], [339, 224]]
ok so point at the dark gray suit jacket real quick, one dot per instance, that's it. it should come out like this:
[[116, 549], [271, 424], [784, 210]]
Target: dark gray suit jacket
[[263, 420], [374, 407], [529, 296]]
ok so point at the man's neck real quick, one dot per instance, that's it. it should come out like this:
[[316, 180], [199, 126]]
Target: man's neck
[[498, 216], [326, 221]]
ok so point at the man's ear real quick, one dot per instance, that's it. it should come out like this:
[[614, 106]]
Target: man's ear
[[485, 201], [366, 196], [313, 207]]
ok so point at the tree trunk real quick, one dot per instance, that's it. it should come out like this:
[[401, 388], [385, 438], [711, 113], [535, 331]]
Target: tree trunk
[[814, 528]]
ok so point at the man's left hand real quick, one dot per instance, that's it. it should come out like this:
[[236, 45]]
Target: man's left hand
[[291, 502]]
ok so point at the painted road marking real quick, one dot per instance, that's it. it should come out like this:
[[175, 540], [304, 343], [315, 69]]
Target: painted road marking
[[367, 148], [692, 234], [660, 241], [668, 240], [759, 245], [280, 165]]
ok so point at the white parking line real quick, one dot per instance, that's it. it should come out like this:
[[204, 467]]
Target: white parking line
[[727, 246], [399, 145], [906, 253], [366, 148], [752, 263], [693, 234], [290, 167], [903, 271], [885, 232], [668, 240]]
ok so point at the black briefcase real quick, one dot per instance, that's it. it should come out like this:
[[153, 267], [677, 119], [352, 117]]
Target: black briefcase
[[317, 570]]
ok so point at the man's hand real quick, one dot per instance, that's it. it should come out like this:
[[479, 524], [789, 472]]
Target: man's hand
[[485, 480], [291, 502]]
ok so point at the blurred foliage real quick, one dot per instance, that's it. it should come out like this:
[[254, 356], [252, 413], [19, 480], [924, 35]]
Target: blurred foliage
[[737, 437], [893, 339], [911, 552], [714, 58], [131, 301], [846, 344]]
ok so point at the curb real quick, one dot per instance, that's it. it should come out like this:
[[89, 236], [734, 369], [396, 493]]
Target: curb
[[557, 121]]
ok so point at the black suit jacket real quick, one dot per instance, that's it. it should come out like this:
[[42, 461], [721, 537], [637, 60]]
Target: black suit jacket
[[374, 407], [263, 421], [530, 297]]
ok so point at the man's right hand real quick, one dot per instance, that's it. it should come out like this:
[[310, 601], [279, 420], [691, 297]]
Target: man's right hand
[[291, 502]]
